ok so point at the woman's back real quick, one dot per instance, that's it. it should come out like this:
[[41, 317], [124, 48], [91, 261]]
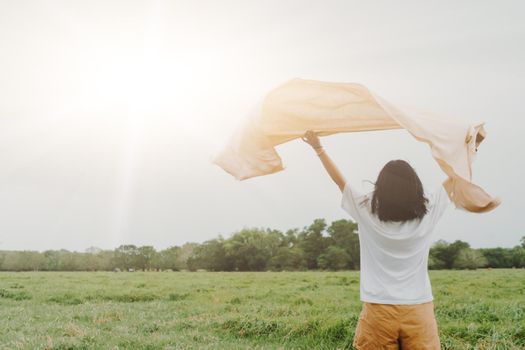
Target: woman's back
[[394, 255]]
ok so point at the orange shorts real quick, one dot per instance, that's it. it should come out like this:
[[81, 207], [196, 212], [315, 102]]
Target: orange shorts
[[407, 327]]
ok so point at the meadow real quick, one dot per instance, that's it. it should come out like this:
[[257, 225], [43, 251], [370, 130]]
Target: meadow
[[482, 309]]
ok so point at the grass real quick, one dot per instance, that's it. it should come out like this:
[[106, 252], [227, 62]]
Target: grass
[[482, 309]]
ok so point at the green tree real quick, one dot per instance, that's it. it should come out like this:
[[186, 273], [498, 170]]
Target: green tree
[[290, 238], [168, 259], [184, 254], [498, 257], [126, 256], [444, 254], [434, 264], [287, 259], [211, 255], [518, 256], [343, 234], [92, 259], [469, 258], [105, 260], [71, 261], [52, 260], [334, 258], [312, 242], [251, 249], [145, 255], [24, 261]]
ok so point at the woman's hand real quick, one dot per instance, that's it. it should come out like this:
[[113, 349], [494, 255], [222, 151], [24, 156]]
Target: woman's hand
[[312, 139]]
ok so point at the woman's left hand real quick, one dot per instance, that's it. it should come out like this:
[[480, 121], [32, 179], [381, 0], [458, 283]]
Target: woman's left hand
[[312, 139]]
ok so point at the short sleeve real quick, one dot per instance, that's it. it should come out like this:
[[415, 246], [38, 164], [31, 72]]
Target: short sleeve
[[351, 200], [439, 201]]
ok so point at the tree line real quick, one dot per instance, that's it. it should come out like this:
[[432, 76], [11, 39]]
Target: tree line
[[318, 246]]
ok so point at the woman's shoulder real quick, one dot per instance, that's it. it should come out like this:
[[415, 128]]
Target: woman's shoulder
[[355, 201], [438, 201], [438, 196]]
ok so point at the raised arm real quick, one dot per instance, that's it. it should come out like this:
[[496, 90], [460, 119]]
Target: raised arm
[[312, 139]]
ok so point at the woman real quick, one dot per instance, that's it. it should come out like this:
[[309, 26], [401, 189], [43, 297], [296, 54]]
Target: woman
[[395, 233]]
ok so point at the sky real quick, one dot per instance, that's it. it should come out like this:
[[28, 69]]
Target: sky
[[112, 111]]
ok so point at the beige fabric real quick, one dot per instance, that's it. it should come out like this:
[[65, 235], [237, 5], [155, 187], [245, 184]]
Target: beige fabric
[[328, 108]]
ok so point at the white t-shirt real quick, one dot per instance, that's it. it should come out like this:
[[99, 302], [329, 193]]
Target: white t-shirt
[[394, 255]]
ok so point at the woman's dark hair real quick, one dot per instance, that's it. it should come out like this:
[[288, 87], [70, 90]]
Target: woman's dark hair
[[398, 194]]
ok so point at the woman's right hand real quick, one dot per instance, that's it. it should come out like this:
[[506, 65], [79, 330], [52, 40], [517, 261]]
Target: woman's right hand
[[312, 139]]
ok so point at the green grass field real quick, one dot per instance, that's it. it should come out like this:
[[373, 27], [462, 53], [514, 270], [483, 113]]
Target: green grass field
[[482, 309]]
